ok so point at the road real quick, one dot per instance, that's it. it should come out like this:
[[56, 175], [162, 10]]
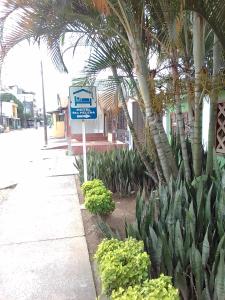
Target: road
[[17, 149]]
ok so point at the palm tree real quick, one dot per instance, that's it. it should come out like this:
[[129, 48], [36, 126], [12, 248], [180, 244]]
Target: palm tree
[[167, 17], [133, 17], [112, 54]]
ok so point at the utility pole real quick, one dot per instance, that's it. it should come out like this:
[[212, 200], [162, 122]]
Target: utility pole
[[1, 120], [1, 63], [44, 110]]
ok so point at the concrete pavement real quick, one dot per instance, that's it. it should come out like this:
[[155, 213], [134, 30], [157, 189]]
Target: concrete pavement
[[43, 251]]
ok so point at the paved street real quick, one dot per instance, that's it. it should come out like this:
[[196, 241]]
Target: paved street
[[43, 251], [17, 149]]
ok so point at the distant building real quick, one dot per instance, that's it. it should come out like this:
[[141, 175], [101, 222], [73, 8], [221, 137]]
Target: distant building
[[10, 118], [29, 103], [58, 119]]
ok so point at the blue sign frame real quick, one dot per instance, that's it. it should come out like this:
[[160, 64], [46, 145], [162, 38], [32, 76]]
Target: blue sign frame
[[83, 103]]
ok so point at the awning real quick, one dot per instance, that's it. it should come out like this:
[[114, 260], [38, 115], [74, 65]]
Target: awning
[[58, 110], [109, 102]]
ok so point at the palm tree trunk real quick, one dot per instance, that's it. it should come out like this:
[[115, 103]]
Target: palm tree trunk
[[133, 132], [190, 94], [140, 64], [161, 130], [152, 151], [190, 97], [217, 53], [169, 153], [198, 54], [139, 98], [179, 116]]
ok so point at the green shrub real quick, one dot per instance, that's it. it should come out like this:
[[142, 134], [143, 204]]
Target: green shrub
[[154, 289], [98, 200], [105, 247], [122, 263], [100, 203], [97, 191], [89, 185]]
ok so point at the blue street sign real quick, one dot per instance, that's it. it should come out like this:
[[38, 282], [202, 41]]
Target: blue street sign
[[88, 113], [83, 103]]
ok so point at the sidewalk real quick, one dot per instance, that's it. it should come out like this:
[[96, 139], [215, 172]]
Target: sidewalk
[[43, 251]]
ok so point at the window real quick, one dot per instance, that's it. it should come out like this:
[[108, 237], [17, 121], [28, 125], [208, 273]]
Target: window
[[60, 117], [220, 128]]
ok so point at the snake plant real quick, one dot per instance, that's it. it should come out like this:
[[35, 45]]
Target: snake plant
[[183, 229], [121, 170]]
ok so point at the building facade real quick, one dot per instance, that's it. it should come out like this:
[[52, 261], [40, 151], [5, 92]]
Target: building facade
[[28, 100], [10, 118]]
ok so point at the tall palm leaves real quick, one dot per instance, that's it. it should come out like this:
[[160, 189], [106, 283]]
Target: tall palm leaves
[[48, 20], [213, 12]]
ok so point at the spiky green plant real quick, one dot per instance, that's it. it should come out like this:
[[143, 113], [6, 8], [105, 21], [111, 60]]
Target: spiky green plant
[[183, 229], [121, 170]]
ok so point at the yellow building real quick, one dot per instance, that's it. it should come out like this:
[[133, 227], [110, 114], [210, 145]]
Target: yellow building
[[10, 115], [14, 110], [58, 123]]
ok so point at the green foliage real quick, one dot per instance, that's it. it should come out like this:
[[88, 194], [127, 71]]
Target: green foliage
[[89, 185], [98, 200], [177, 151], [101, 203], [7, 97], [98, 190], [183, 227], [106, 230], [155, 289], [121, 170], [121, 263]]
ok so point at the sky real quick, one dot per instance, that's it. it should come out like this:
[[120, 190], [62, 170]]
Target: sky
[[22, 68]]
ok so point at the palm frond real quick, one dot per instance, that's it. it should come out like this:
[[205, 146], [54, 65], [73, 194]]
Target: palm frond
[[214, 13]]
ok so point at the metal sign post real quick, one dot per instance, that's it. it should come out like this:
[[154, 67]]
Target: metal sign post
[[83, 106], [84, 150]]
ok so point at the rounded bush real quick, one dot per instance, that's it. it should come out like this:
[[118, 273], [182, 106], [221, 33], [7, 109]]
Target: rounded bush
[[122, 263], [89, 185], [107, 246], [99, 190], [100, 203], [154, 289]]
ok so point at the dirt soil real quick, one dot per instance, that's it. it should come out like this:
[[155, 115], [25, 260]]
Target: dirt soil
[[125, 210]]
